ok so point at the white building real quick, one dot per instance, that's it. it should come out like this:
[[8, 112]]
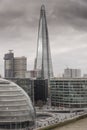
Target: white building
[[72, 73], [30, 74]]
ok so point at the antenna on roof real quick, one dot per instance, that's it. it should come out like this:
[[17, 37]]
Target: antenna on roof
[[10, 51]]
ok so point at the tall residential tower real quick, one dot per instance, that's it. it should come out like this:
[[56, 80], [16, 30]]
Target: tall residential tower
[[43, 62]]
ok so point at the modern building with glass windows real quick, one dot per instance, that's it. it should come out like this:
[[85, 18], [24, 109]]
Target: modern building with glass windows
[[16, 110], [70, 93], [37, 89], [26, 84], [43, 61]]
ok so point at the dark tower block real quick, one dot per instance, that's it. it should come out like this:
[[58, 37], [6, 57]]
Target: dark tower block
[[8, 64], [43, 62]]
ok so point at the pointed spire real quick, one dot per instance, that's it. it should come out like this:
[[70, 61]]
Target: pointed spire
[[43, 58], [42, 11], [43, 7]]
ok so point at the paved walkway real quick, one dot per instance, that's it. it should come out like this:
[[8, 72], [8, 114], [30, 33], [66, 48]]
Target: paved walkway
[[53, 118]]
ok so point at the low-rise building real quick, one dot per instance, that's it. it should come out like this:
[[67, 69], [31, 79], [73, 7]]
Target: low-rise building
[[71, 93]]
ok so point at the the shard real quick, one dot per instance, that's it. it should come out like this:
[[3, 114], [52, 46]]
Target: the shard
[[43, 62]]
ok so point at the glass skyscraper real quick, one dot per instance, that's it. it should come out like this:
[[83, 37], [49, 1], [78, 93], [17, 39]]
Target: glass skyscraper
[[43, 62]]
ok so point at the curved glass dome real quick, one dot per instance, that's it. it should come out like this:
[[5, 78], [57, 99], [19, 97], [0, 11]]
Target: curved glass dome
[[16, 110]]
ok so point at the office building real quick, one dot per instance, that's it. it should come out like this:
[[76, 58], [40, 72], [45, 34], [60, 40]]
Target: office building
[[37, 89], [40, 91], [30, 74], [26, 84], [72, 73], [20, 67], [9, 64], [16, 109], [70, 93], [43, 62], [14, 67]]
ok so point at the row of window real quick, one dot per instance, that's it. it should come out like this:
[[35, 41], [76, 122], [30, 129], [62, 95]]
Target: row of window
[[15, 125]]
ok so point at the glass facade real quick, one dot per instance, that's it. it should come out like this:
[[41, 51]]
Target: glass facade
[[71, 93], [26, 84], [16, 110], [43, 62]]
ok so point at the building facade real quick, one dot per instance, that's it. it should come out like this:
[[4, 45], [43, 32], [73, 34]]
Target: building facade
[[37, 89], [20, 67], [26, 84], [72, 73], [30, 74], [14, 67], [43, 61], [84, 75], [40, 91], [71, 93], [9, 64]]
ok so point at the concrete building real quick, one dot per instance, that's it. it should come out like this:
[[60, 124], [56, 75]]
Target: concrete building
[[16, 109], [20, 67], [71, 93], [72, 73], [9, 64], [14, 67], [30, 74]]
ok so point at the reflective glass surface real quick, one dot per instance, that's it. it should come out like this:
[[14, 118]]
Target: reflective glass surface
[[15, 106]]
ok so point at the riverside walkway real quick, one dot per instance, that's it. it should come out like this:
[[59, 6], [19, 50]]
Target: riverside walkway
[[56, 118], [78, 125]]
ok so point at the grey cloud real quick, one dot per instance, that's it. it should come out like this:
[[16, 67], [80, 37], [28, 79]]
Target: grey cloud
[[14, 19], [60, 12], [70, 13], [73, 59], [19, 11]]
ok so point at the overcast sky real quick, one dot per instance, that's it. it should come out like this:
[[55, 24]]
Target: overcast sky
[[67, 25]]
